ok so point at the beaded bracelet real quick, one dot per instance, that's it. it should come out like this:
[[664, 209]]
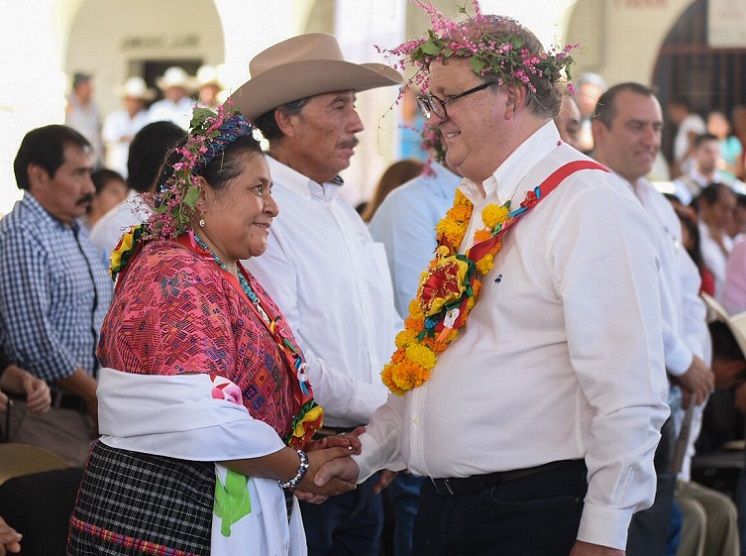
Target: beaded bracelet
[[302, 469]]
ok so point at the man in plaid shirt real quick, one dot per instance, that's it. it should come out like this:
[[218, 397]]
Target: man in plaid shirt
[[54, 289]]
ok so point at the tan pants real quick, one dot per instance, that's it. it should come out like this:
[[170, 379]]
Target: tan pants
[[65, 432], [710, 521]]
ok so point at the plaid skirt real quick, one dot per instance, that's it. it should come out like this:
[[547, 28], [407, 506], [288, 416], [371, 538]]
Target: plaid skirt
[[133, 503]]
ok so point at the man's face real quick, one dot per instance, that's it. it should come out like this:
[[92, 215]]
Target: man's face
[[707, 156], [630, 144], [568, 122], [723, 211], [67, 194], [175, 94], [474, 125], [84, 90], [323, 135]]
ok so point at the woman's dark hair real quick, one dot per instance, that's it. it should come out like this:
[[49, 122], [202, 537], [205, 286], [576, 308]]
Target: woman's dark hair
[[221, 169], [709, 195], [695, 249], [103, 176], [147, 151], [397, 174], [45, 147]]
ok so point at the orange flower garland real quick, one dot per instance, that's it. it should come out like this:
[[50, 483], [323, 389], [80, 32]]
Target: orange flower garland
[[447, 292]]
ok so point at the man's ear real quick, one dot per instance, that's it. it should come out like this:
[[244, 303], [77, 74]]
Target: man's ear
[[598, 130], [36, 175], [286, 122], [517, 97]]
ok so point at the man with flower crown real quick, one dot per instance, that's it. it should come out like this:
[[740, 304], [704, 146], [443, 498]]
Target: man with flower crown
[[528, 383]]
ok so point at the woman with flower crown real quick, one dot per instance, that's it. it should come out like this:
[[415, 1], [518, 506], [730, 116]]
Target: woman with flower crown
[[206, 413]]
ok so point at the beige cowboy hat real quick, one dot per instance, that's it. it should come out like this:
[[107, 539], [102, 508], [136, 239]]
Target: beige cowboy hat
[[135, 87], [176, 77], [208, 75], [301, 67]]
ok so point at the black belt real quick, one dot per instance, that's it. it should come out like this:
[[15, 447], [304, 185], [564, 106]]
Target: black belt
[[479, 483]]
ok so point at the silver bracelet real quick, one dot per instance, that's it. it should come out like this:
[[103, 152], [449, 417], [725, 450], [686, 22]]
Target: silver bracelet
[[302, 469]]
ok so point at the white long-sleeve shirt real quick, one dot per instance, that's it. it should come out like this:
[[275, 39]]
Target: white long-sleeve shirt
[[119, 129], [685, 331], [562, 356], [332, 282]]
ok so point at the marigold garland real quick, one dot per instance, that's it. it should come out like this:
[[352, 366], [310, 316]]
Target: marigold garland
[[447, 293]]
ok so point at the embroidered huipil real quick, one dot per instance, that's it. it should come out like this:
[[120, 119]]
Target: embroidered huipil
[[562, 356], [332, 282], [54, 292]]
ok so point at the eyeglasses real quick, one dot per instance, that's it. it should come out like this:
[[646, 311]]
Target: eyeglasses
[[430, 104]]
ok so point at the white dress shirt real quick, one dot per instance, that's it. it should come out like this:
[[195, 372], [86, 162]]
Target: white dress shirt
[[332, 283], [562, 357], [179, 113], [119, 129], [685, 331], [107, 232], [715, 257]]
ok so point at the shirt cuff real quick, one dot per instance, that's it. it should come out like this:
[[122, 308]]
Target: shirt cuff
[[604, 526], [678, 359], [369, 460]]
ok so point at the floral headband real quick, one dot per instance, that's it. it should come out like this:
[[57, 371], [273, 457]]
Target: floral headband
[[502, 54], [175, 201], [209, 134]]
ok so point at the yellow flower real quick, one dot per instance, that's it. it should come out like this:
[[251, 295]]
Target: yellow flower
[[485, 264], [404, 338], [415, 324], [460, 199], [421, 355], [482, 235], [388, 380], [309, 417], [408, 375], [415, 310], [459, 213], [450, 231], [493, 214]]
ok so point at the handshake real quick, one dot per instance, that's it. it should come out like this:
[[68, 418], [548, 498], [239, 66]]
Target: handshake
[[331, 470]]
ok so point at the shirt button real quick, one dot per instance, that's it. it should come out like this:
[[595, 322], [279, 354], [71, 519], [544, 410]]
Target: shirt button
[[415, 422]]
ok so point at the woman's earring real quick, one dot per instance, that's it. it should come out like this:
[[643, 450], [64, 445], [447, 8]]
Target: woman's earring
[[202, 222]]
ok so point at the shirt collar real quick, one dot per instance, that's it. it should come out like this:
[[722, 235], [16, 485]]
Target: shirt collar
[[41, 214], [503, 182], [300, 184]]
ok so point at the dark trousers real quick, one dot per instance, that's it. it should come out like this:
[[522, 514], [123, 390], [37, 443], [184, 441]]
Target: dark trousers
[[536, 515], [349, 524], [648, 531]]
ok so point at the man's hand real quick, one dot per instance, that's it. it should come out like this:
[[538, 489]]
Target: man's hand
[[319, 459], [385, 478], [330, 476], [38, 397], [4, 402], [587, 549], [10, 540], [697, 382]]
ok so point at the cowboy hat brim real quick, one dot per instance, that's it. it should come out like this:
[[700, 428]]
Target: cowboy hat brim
[[297, 80], [146, 95]]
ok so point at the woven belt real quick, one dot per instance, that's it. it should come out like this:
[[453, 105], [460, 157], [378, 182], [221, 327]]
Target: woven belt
[[479, 483]]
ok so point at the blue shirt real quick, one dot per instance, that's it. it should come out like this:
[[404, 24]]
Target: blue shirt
[[54, 292], [405, 224]]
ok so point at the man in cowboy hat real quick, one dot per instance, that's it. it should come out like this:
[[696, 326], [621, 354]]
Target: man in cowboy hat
[[209, 87], [122, 125], [322, 267], [176, 85]]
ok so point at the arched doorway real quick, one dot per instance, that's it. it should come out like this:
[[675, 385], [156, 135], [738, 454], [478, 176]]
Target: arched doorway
[[687, 66], [147, 38]]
